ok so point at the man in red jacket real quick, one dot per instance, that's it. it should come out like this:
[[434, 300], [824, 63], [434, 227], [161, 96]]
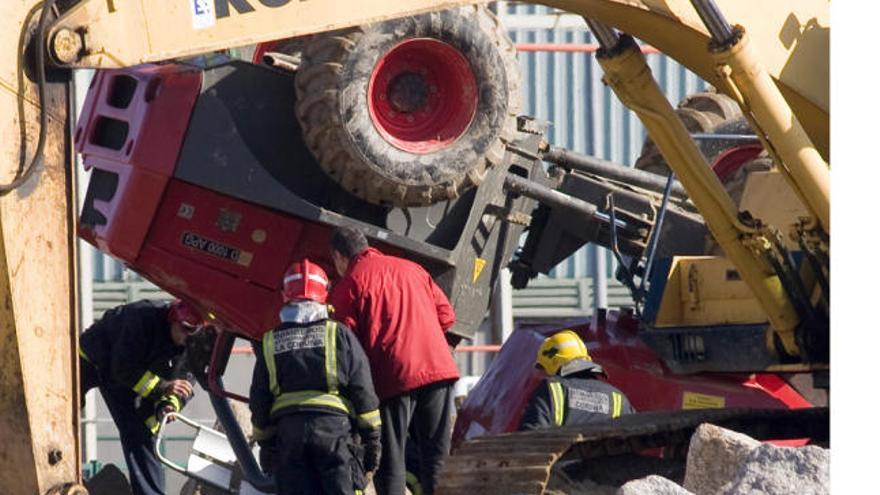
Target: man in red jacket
[[400, 317]]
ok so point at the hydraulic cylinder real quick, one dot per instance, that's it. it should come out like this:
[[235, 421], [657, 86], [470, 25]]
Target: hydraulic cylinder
[[629, 75]]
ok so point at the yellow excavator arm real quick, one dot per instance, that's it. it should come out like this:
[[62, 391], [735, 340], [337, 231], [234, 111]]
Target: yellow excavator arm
[[792, 36]]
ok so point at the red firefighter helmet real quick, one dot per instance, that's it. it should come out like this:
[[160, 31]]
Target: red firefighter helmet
[[305, 280], [183, 313]]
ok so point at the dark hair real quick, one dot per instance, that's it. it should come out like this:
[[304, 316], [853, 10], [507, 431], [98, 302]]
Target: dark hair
[[348, 242]]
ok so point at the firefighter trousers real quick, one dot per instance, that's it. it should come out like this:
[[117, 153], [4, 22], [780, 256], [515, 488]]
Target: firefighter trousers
[[317, 455], [145, 472], [429, 409]]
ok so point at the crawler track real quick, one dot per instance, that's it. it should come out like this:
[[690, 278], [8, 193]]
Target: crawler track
[[520, 463]]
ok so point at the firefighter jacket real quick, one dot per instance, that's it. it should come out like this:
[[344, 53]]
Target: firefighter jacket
[[574, 399], [400, 317], [131, 347], [313, 366]]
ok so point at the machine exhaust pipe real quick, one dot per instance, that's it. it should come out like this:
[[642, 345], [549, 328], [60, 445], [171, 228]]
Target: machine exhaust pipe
[[282, 61]]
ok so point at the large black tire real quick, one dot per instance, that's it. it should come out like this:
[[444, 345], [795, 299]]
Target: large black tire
[[710, 113], [699, 112], [332, 107]]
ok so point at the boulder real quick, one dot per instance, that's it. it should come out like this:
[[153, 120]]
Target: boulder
[[652, 485], [782, 471], [713, 458]]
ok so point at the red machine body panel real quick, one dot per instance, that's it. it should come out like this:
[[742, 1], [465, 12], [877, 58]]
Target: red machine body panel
[[497, 401], [224, 234], [228, 255], [132, 125], [153, 101], [224, 255]]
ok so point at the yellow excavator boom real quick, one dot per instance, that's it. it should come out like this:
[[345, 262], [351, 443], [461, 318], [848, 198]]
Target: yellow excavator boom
[[39, 401], [793, 36]]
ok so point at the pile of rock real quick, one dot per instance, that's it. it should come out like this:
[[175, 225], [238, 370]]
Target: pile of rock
[[724, 462]]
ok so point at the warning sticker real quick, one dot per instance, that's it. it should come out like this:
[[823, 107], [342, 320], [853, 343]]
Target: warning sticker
[[694, 400], [291, 339], [595, 402], [214, 248], [479, 264], [202, 13]]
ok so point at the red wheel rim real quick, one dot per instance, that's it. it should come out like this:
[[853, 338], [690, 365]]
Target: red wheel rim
[[422, 95], [731, 160]]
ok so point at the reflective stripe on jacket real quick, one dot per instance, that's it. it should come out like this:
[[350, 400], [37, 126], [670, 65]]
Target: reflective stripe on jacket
[[316, 366], [571, 400]]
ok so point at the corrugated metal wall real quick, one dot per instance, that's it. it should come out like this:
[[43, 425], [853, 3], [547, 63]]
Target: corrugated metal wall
[[108, 269]]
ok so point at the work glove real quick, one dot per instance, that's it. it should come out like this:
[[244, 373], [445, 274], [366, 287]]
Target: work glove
[[268, 455], [372, 450]]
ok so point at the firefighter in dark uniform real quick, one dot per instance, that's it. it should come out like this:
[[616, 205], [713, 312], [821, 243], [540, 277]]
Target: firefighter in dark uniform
[[134, 355], [311, 389], [573, 393]]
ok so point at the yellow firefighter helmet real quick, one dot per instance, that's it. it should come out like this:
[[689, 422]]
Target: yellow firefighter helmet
[[561, 349]]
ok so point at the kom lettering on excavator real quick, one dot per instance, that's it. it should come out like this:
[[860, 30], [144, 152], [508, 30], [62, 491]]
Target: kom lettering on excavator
[[210, 174]]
